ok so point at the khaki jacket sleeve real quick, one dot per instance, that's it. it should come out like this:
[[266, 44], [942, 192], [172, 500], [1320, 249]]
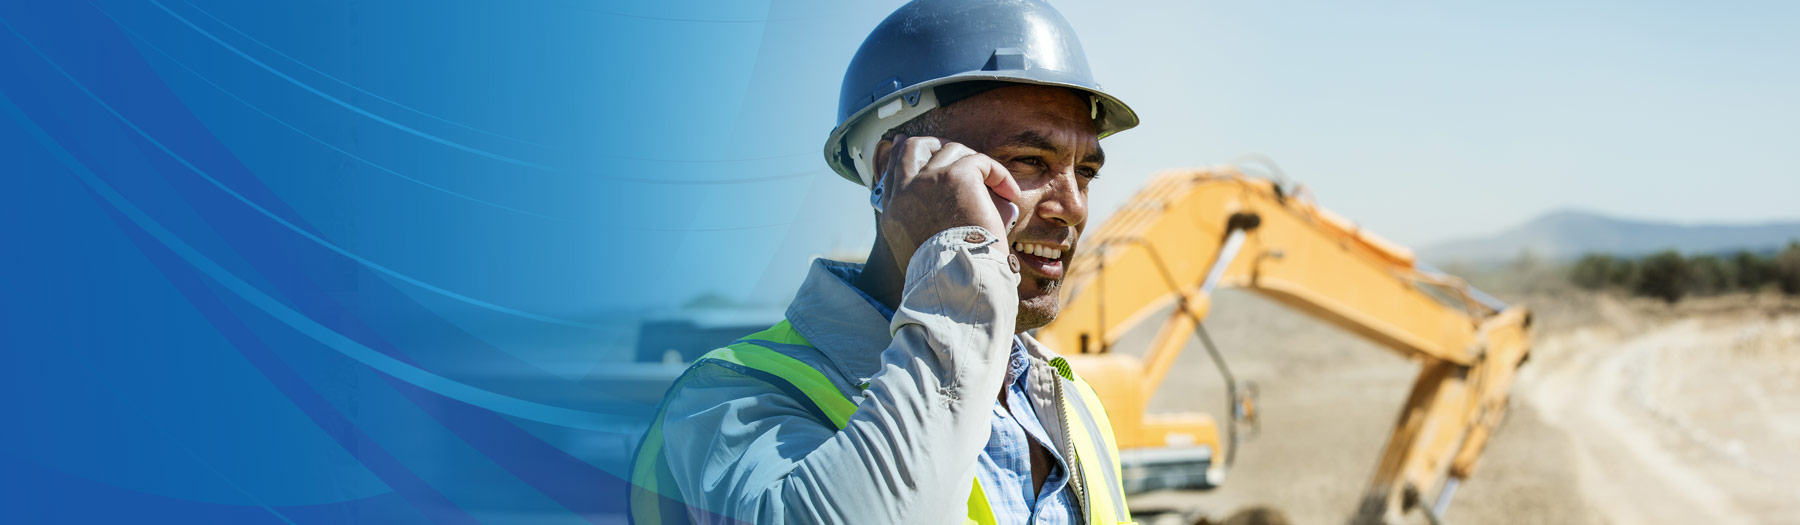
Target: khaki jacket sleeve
[[741, 449]]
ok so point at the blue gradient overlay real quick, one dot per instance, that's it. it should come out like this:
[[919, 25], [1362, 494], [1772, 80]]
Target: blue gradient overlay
[[336, 261]]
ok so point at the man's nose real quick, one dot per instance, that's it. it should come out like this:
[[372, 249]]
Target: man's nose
[[1064, 201]]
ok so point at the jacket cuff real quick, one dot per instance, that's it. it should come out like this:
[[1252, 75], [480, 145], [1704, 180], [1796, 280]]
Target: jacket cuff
[[981, 247]]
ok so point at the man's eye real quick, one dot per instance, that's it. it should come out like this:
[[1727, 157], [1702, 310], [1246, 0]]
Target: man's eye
[[1034, 162], [1088, 173]]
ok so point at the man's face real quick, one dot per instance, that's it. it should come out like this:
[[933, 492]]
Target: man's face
[[1046, 138]]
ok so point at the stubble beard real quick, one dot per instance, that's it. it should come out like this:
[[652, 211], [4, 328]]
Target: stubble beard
[[1037, 311]]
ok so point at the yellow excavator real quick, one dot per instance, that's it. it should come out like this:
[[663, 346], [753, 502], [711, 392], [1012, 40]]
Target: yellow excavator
[[1190, 232]]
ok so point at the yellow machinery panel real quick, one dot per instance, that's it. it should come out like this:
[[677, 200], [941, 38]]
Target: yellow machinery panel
[[1188, 232]]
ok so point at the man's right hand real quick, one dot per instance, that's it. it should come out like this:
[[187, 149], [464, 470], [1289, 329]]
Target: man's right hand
[[929, 186]]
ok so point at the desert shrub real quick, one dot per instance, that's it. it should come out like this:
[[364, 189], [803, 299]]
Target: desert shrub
[[1597, 271], [1787, 269], [1593, 271], [1712, 275], [1751, 272], [1665, 276], [1670, 276]]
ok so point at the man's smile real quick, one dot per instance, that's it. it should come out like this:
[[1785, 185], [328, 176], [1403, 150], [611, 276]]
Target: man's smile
[[1043, 259]]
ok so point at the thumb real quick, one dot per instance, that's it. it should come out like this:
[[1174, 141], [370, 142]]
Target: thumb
[[999, 180]]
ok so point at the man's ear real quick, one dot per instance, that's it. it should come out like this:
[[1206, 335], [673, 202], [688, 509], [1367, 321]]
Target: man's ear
[[883, 150]]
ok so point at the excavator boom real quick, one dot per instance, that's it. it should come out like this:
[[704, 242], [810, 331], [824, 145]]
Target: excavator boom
[[1189, 232]]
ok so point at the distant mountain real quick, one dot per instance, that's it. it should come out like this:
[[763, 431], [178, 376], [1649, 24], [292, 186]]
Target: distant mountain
[[1567, 235]]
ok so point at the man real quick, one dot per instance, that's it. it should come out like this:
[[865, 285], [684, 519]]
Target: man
[[906, 390]]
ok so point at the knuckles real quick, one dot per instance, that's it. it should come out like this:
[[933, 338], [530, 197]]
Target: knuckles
[[913, 144]]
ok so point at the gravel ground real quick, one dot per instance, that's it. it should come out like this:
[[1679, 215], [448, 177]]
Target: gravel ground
[[1628, 412]]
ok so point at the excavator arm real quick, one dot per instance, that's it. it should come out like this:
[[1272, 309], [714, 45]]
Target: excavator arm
[[1189, 232]]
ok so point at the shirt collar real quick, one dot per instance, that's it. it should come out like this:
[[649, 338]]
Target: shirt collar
[[1034, 348], [1017, 364], [840, 320]]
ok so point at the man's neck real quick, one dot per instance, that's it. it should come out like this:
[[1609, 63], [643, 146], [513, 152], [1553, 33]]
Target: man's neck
[[881, 277]]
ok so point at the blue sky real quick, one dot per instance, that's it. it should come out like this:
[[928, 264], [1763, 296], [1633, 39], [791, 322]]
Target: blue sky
[[1423, 121], [1433, 120]]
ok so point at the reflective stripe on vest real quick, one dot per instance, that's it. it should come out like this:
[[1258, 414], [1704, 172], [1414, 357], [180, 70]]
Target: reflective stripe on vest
[[655, 499]]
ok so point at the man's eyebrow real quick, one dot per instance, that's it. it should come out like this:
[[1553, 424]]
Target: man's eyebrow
[[1035, 140]]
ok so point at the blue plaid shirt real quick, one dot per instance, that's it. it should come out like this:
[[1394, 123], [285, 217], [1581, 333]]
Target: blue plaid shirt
[[1005, 465]]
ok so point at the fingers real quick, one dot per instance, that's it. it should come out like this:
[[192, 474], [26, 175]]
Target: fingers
[[1000, 186], [949, 154], [906, 156], [993, 175], [910, 157], [1000, 181], [931, 185], [912, 154]]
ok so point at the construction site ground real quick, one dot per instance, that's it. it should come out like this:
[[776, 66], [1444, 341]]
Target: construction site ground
[[1629, 411]]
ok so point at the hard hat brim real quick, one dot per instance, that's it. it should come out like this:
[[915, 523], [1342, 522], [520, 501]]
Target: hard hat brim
[[1113, 115]]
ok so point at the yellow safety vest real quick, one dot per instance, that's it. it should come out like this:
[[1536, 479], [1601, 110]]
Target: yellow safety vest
[[656, 500]]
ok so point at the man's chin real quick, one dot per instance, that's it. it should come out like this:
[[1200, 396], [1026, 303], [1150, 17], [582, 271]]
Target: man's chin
[[1037, 307]]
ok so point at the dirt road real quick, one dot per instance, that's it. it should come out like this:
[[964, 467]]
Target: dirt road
[[1680, 419], [1627, 413]]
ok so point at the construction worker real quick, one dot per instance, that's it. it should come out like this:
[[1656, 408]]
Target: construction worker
[[907, 390]]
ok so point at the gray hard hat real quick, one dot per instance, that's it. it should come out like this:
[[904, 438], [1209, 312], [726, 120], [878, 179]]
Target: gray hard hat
[[930, 53]]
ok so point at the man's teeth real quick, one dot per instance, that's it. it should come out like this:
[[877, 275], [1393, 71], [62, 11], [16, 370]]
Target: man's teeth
[[1047, 252]]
